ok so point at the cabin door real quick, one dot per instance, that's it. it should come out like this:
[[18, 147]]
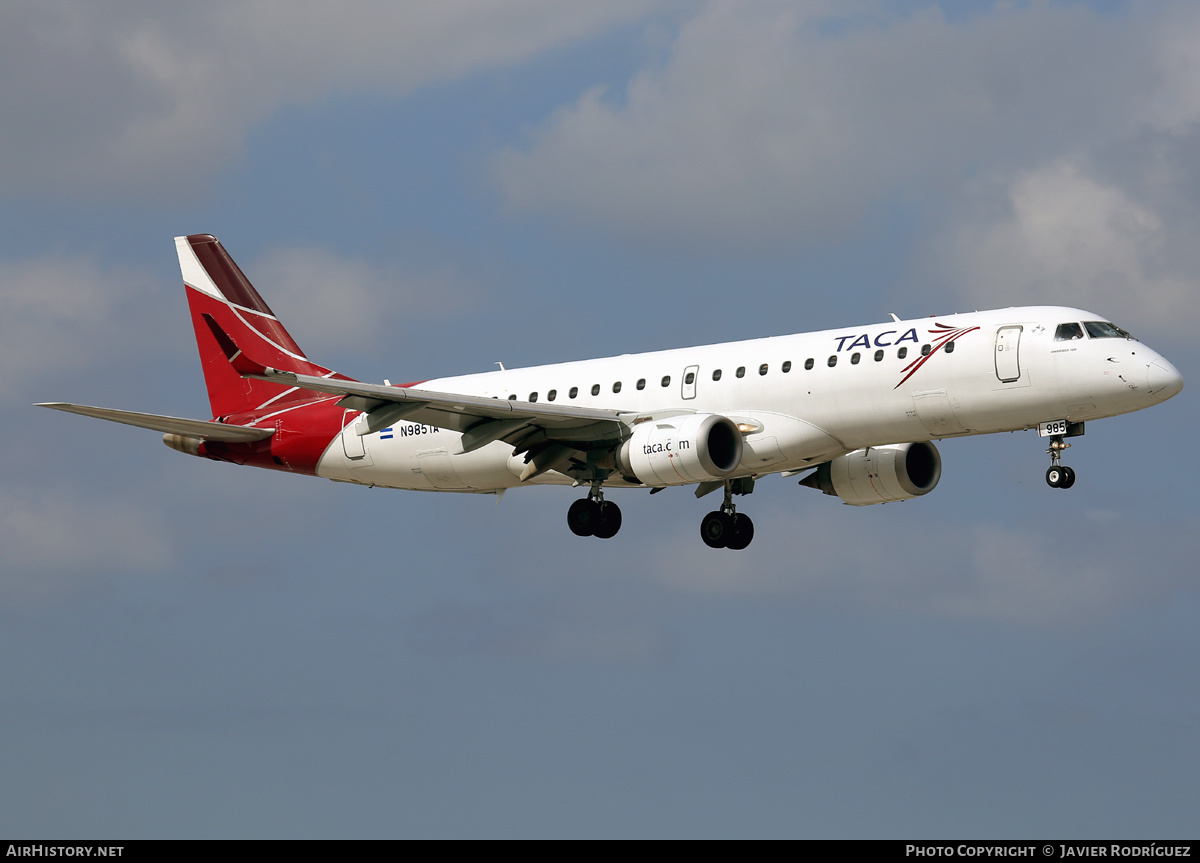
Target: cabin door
[[1008, 354]]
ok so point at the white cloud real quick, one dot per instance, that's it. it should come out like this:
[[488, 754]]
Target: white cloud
[[777, 123], [57, 314], [150, 97], [1060, 235], [329, 302]]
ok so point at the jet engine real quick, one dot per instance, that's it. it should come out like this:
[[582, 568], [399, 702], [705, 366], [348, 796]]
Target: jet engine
[[682, 449], [880, 474]]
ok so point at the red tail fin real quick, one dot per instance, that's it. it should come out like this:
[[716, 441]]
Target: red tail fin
[[217, 288]]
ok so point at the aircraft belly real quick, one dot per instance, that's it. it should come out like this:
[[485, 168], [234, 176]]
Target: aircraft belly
[[785, 441], [422, 460]]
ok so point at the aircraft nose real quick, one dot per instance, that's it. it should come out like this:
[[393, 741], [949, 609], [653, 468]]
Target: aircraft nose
[[1163, 379]]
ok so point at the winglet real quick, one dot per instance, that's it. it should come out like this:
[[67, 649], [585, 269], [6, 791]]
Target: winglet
[[241, 363]]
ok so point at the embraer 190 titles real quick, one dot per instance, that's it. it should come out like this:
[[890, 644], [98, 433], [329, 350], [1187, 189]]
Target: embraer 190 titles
[[856, 411]]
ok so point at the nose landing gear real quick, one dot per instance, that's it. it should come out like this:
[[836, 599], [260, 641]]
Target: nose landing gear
[[594, 516], [726, 528], [1057, 475]]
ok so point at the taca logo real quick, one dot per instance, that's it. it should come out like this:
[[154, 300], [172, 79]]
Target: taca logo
[[864, 341]]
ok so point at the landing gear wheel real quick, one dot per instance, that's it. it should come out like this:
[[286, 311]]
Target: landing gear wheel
[[610, 521], [716, 529], [584, 517], [743, 532], [1058, 476]]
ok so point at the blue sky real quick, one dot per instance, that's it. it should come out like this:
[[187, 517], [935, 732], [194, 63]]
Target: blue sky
[[191, 649]]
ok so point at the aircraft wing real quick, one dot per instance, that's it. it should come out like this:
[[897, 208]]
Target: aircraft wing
[[171, 425], [481, 419]]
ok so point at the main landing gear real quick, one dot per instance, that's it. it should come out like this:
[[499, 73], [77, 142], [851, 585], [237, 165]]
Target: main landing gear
[[725, 528], [594, 516], [1057, 475]]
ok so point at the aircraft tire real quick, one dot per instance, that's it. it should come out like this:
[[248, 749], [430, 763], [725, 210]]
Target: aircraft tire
[[1054, 477], [583, 517], [610, 521], [715, 529], [743, 532], [1068, 478]]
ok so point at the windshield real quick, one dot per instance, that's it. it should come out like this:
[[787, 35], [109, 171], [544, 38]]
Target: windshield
[[1068, 332], [1105, 330]]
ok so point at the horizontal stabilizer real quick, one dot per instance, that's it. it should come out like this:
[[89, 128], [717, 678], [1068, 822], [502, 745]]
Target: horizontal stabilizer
[[171, 425]]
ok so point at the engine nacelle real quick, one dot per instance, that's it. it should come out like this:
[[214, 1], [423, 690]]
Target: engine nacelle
[[880, 474], [682, 449]]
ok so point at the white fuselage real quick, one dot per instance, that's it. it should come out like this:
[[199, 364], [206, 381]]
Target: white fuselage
[[1004, 371]]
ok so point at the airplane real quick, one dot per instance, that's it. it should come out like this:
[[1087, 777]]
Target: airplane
[[855, 410]]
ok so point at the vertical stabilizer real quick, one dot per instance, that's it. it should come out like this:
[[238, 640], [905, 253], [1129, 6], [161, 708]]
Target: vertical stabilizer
[[217, 287]]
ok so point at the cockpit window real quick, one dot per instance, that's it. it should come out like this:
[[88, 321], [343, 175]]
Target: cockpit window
[[1068, 332], [1105, 330]]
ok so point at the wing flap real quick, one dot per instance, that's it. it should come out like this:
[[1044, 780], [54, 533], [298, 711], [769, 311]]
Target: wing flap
[[171, 425]]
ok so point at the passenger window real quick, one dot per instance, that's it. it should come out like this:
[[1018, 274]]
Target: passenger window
[[617, 387], [716, 374], [641, 384], [902, 353], [1068, 332], [949, 347], [666, 381], [786, 367], [854, 358], [925, 349], [574, 392], [552, 395], [595, 389], [533, 397], [689, 378], [762, 370], [833, 361], [808, 364], [878, 356], [741, 371]]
